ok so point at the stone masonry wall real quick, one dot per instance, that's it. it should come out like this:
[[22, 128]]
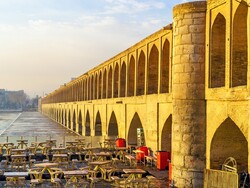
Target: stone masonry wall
[[189, 123]]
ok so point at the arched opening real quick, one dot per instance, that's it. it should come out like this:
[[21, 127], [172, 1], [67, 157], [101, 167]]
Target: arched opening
[[165, 67], [136, 132], [152, 78], [87, 124], [104, 83], [166, 143], [229, 141], [69, 121], [116, 80], [62, 120], [218, 53], [110, 83], [95, 86], [98, 125], [80, 123], [131, 77], [239, 47], [74, 121], [100, 86], [65, 119], [141, 75], [123, 80], [113, 126], [90, 88]]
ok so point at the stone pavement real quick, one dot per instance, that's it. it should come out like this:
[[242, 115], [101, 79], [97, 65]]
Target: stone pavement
[[34, 126]]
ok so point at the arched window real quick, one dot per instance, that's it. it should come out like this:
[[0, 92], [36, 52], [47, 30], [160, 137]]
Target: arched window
[[131, 77], [218, 53], [153, 71], [116, 80], [165, 67], [110, 83], [123, 80], [239, 47], [104, 84], [141, 75]]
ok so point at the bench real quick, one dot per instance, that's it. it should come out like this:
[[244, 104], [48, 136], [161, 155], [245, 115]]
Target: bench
[[131, 159]]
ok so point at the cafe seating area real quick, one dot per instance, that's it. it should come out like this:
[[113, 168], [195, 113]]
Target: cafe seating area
[[74, 164]]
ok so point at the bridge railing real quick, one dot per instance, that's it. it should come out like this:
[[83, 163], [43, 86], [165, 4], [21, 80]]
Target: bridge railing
[[219, 178]]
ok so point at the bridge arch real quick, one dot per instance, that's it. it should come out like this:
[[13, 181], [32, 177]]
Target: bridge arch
[[74, 121], [80, 123], [123, 80], [104, 84], [153, 64], [229, 141], [87, 125], [69, 120], [141, 74], [116, 80], [165, 64], [131, 77], [113, 125], [98, 125], [239, 46], [100, 86], [133, 130], [218, 53], [166, 135], [110, 85]]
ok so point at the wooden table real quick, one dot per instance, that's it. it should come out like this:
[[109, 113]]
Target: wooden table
[[134, 173], [75, 177], [121, 152], [18, 160], [98, 166], [59, 158], [22, 143], [18, 151], [58, 150], [15, 178], [102, 156], [46, 166]]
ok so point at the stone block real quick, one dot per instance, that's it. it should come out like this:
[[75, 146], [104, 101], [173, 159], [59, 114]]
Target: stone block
[[188, 49], [183, 30], [186, 39]]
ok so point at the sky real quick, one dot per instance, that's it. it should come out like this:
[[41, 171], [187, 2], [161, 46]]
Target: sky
[[45, 43]]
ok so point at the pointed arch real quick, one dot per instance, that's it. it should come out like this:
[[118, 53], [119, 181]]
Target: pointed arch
[[141, 75], [153, 66], [80, 123], [239, 47], [166, 138], [229, 141], [69, 120], [87, 125], [165, 67], [110, 83], [116, 80], [218, 53], [135, 128], [98, 125], [112, 126], [100, 86], [74, 121], [131, 77], [104, 83], [123, 80]]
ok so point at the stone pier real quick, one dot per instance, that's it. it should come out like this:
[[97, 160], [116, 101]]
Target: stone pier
[[189, 120]]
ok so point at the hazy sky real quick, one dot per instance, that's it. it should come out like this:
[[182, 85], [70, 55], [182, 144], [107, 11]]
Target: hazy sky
[[44, 43]]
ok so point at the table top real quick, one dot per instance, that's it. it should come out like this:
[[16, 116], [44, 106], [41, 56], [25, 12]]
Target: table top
[[22, 140], [134, 171], [18, 150], [18, 155], [76, 172], [46, 164], [58, 149], [138, 151], [121, 148], [102, 154], [99, 162], [15, 174], [60, 155]]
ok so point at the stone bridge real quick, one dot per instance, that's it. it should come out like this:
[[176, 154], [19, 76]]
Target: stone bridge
[[186, 86]]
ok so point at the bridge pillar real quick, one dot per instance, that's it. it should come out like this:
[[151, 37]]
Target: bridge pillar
[[189, 110]]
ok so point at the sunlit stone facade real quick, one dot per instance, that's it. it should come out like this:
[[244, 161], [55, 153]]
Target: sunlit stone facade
[[186, 85]]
